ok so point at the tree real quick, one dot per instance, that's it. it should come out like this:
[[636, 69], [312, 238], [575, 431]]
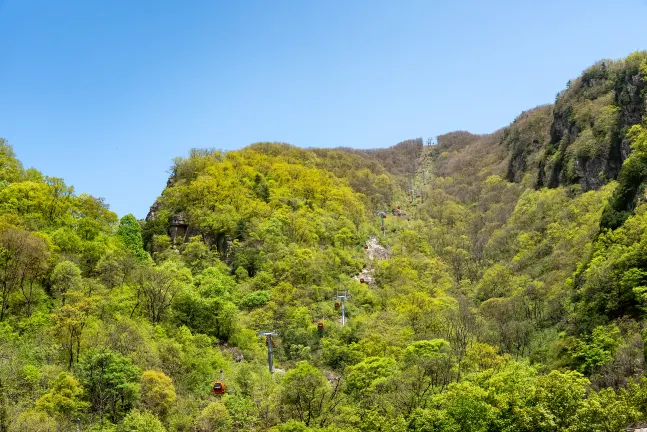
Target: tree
[[157, 392], [69, 322], [66, 276], [137, 421], [11, 169], [4, 421], [59, 199], [307, 395], [213, 418], [111, 382], [427, 370], [130, 233], [159, 285], [23, 258], [34, 421], [555, 402], [64, 398]]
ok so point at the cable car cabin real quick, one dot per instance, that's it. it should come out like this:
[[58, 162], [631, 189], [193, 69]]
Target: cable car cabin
[[218, 388], [320, 326], [362, 280], [269, 340], [337, 305], [382, 227], [417, 195], [365, 247]]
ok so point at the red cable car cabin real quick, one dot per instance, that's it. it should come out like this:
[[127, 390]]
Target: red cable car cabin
[[365, 247], [320, 326], [382, 227], [337, 305], [218, 387], [361, 280]]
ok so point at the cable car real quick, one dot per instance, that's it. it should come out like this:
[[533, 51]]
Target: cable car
[[337, 305], [320, 326], [268, 340], [362, 280], [417, 195], [382, 227], [218, 388], [365, 247]]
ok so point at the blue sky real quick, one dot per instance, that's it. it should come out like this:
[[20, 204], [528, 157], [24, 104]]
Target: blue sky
[[105, 93]]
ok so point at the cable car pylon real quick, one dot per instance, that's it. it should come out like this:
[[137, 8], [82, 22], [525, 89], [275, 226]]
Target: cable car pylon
[[269, 341], [382, 215], [342, 299]]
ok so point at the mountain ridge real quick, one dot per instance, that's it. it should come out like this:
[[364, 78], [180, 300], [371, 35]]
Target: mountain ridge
[[503, 285]]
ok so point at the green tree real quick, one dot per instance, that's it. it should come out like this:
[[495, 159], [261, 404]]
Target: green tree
[[130, 233], [555, 402], [11, 169], [157, 393], [69, 322], [159, 285], [137, 421], [213, 418], [64, 398], [34, 421], [23, 258], [427, 370], [306, 394], [65, 277], [111, 382]]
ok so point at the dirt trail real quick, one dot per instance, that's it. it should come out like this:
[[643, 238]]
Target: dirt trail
[[374, 252]]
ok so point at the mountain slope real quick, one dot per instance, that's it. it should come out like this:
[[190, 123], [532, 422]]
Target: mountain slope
[[506, 291]]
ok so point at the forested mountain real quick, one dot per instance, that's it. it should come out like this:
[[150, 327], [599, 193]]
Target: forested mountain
[[507, 290]]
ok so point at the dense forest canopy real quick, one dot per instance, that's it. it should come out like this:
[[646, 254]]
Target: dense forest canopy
[[489, 283]]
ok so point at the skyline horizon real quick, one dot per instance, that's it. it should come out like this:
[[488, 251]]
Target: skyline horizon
[[107, 94]]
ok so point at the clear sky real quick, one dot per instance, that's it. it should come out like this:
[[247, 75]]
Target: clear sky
[[105, 93]]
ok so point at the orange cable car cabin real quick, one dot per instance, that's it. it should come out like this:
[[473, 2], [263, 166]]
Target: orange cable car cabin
[[218, 387], [337, 305]]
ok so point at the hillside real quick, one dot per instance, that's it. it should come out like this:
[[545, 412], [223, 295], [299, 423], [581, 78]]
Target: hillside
[[507, 291]]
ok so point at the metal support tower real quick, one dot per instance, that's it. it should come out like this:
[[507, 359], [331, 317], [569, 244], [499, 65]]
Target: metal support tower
[[382, 215], [269, 337], [342, 298]]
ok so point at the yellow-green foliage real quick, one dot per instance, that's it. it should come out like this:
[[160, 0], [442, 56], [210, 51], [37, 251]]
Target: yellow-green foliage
[[490, 304]]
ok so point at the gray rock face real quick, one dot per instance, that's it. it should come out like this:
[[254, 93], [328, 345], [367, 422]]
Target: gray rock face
[[375, 251], [152, 213], [593, 172]]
